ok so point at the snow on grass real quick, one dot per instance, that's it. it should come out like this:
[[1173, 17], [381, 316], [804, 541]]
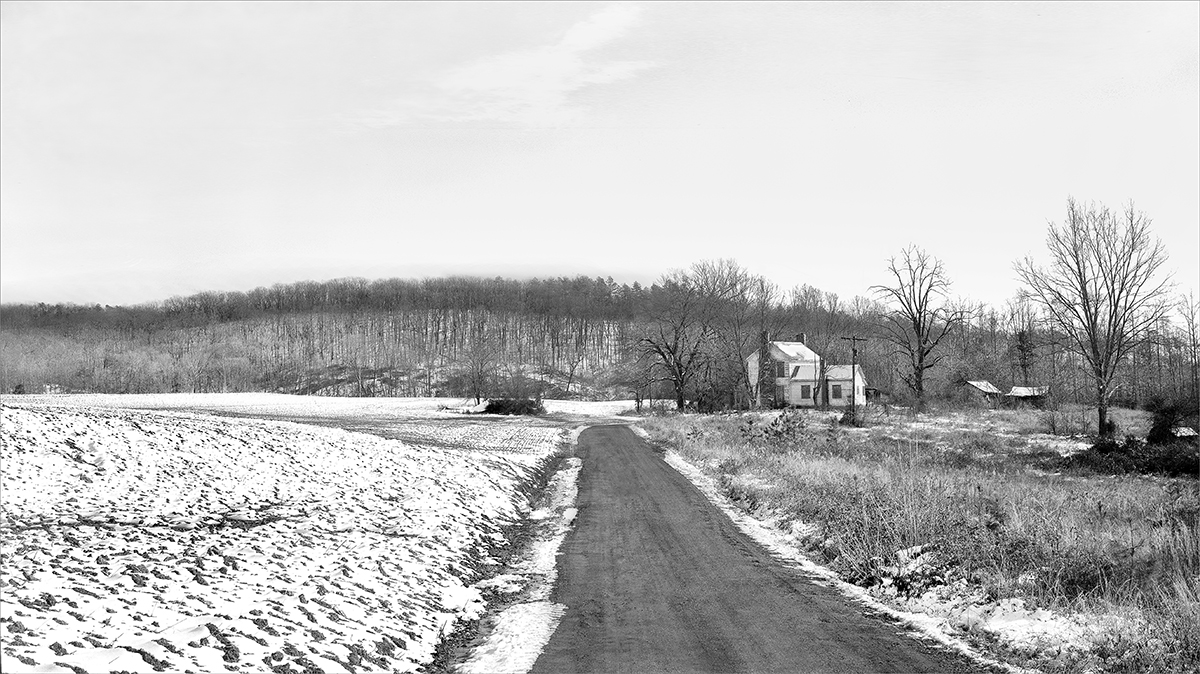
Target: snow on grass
[[1013, 427], [293, 406], [136, 540], [587, 408], [255, 404]]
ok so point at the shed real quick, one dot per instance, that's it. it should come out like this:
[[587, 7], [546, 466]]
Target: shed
[[1028, 395], [982, 391]]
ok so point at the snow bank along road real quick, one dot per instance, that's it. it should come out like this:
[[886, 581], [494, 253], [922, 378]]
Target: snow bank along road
[[167, 541], [656, 579]]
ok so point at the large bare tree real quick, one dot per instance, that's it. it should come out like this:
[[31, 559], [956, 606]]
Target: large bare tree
[[920, 316], [1102, 288], [679, 331], [740, 308]]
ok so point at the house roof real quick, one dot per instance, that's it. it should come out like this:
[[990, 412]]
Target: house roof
[[844, 372], [985, 386], [796, 350], [1028, 391]]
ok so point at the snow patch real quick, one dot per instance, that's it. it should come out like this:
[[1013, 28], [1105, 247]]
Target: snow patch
[[507, 583], [516, 641], [588, 408], [519, 633]]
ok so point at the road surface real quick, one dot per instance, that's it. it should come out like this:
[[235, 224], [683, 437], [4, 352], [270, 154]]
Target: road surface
[[657, 579]]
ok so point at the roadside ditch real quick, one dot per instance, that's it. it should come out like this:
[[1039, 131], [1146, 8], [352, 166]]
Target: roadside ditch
[[515, 577]]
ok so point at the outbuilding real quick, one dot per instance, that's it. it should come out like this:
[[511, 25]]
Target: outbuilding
[[983, 391], [1034, 396]]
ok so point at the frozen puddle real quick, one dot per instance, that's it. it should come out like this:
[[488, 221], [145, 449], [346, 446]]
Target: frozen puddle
[[516, 636]]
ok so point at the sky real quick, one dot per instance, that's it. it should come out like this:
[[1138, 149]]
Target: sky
[[149, 150]]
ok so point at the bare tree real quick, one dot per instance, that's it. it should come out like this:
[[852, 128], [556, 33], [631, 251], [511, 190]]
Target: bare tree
[[739, 308], [1101, 289], [574, 362], [678, 331], [477, 366], [920, 316], [1189, 309], [826, 326], [1022, 326], [633, 373]]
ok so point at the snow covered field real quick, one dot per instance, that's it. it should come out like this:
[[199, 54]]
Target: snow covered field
[[276, 405], [148, 540]]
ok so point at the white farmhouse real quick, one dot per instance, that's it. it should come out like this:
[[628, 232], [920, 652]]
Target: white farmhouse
[[800, 382]]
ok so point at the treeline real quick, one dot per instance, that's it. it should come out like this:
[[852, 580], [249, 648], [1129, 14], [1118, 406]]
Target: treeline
[[414, 352], [578, 297], [340, 337], [684, 339]]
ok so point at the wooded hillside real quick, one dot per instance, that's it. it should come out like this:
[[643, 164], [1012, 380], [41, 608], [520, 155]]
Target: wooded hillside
[[686, 336]]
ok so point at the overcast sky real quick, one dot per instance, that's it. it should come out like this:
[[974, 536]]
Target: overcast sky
[[159, 149]]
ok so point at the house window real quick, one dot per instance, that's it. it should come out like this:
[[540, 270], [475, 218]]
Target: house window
[[805, 391], [795, 372], [837, 391], [780, 369]]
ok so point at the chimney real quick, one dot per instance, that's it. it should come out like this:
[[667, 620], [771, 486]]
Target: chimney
[[800, 337]]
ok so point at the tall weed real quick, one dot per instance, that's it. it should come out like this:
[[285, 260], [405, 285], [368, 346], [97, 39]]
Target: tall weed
[[1070, 542]]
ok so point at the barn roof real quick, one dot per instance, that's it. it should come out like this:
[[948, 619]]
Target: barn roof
[[985, 386], [1028, 391]]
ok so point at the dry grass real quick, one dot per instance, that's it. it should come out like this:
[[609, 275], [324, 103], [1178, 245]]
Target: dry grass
[[1126, 545]]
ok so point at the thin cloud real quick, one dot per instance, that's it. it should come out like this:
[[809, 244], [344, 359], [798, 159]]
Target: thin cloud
[[531, 86]]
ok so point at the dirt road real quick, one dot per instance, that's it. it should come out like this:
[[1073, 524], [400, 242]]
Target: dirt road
[[657, 579]]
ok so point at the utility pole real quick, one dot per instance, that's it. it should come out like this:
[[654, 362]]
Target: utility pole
[[854, 340]]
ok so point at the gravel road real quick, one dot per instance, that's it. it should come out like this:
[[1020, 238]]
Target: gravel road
[[657, 579]]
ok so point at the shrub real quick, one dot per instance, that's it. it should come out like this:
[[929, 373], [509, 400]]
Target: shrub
[[784, 431], [1177, 458], [849, 418], [516, 406], [1167, 415]]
